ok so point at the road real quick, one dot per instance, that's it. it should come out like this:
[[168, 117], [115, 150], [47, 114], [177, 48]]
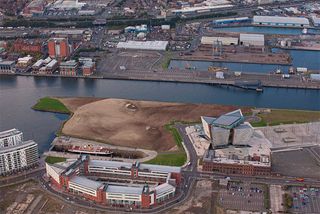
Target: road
[[190, 175]]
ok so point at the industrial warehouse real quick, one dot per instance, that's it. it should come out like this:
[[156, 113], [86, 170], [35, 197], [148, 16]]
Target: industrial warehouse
[[144, 45], [235, 148], [281, 21], [16, 154], [119, 184]]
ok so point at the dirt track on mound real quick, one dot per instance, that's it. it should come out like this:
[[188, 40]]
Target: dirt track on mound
[[136, 124]]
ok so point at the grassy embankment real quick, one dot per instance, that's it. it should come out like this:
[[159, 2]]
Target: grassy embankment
[[279, 116], [166, 61], [176, 158], [52, 160], [51, 105]]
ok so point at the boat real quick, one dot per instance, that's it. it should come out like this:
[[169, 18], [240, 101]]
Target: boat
[[291, 70], [305, 31], [278, 71], [216, 69], [96, 150], [259, 89]]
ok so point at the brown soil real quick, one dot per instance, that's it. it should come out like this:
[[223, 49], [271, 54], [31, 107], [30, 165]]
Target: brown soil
[[137, 124], [73, 103]]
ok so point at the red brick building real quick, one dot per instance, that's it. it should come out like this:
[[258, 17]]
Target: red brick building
[[59, 48], [72, 179], [28, 45]]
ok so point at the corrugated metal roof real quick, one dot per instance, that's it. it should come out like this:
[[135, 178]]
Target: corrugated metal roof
[[124, 189], [116, 164], [164, 188], [144, 45], [251, 37], [281, 19], [158, 168], [206, 40], [83, 181]]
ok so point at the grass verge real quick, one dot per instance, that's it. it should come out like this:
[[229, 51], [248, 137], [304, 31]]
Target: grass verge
[[166, 61], [51, 105], [284, 116], [170, 159], [177, 158], [52, 159]]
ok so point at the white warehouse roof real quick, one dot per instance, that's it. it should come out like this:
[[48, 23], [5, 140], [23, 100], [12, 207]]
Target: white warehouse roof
[[144, 45], [208, 40], [252, 39], [281, 20]]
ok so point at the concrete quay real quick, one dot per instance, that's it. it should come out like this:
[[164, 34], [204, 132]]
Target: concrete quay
[[200, 77]]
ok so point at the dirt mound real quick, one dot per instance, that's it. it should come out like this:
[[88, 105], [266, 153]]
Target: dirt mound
[[137, 124]]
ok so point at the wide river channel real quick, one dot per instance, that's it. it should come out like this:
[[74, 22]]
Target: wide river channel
[[19, 93]]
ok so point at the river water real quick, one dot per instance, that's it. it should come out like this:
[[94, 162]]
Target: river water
[[19, 93]]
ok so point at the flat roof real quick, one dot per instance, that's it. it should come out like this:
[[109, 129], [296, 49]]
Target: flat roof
[[74, 32], [160, 168], [69, 63], [144, 45], [251, 36], [9, 132], [124, 189], [194, 9], [7, 62], [281, 19], [150, 167], [22, 145], [114, 164], [83, 181]]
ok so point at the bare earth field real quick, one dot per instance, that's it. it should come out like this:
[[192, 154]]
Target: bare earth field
[[136, 124]]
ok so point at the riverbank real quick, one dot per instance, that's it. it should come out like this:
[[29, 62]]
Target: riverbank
[[193, 76], [50, 104]]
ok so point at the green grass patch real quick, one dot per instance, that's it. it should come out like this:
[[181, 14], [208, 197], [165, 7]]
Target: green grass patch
[[166, 61], [177, 158], [169, 159], [52, 159], [176, 135], [51, 105], [283, 116], [288, 201]]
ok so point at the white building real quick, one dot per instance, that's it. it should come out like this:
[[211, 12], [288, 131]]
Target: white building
[[209, 40], [281, 21], [7, 66], [251, 39], [144, 45], [19, 157], [10, 138]]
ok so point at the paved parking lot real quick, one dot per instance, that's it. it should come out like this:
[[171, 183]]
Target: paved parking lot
[[243, 196], [137, 60], [305, 200]]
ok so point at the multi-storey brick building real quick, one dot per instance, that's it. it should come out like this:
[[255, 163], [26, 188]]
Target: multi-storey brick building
[[28, 45], [59, 48], [72, 177]]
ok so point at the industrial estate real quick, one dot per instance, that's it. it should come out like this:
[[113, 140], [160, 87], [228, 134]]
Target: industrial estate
[[160, 106]]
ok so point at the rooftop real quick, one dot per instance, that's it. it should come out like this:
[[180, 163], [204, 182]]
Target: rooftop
[[85, 182], [281, 19], [19, 146], [124, 189], [9, 132], [229, 120], [144, 45]]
